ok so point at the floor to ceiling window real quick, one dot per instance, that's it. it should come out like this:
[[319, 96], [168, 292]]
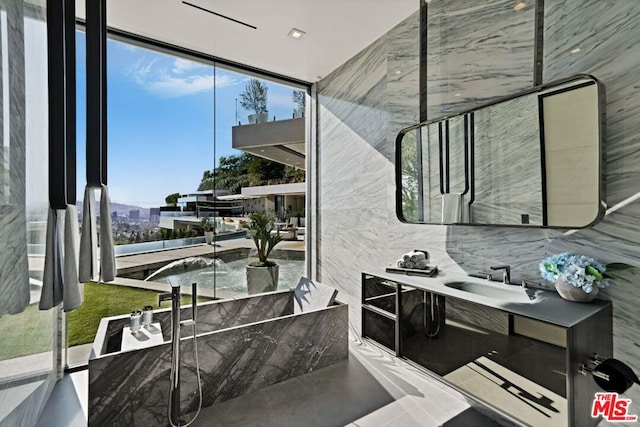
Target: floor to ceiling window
[[173, 123], [27, 337]]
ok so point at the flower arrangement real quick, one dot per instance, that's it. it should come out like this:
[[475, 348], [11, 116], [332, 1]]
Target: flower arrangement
[[580, 271]]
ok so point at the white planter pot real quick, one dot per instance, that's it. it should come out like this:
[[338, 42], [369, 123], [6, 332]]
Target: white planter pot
[[262, 279], [258, 118], [208, 237]]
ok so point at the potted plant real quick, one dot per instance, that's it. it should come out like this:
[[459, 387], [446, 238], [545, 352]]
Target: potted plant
[[208, 230], [254, 98], [579, 277], [262, 275]]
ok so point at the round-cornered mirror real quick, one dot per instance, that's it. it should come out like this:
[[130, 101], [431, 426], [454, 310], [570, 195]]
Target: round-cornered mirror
[[533, 159]]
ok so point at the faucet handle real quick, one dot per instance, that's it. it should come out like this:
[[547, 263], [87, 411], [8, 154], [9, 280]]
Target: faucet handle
[[487, 275], [164, 297], [506, 275]]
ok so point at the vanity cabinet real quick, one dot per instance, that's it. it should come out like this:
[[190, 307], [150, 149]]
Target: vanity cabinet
[[520, 359]]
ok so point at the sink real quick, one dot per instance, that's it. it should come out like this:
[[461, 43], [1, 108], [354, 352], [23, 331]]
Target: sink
[[501, 292]]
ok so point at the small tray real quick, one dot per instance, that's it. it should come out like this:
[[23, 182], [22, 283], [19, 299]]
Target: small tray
[[428, 272]]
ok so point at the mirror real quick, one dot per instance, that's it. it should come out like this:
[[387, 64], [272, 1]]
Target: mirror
[[533, 159]]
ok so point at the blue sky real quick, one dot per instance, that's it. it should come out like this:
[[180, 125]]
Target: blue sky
[[161, 120]]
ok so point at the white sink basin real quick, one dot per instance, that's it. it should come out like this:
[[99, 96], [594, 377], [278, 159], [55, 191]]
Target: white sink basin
[[509, 293]]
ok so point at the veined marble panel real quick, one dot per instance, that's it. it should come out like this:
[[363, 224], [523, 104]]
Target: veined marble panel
[[132, 388], [14, 268], [507, 150], [476, 52]]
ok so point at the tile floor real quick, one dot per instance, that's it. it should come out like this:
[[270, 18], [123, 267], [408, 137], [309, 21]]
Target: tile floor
[[372, 388]]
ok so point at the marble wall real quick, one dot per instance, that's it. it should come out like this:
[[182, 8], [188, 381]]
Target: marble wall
[[14, 278], [365, 102]]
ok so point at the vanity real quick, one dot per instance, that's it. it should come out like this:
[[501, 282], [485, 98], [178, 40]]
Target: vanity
[[516, 350]]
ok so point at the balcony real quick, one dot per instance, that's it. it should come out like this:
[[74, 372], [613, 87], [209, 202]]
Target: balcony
[[281, 141]]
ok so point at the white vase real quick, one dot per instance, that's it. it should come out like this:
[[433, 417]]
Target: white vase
[[262, 279], [575, 294], [208, 237]]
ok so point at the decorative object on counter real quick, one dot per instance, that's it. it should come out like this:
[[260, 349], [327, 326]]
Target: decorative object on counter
[[414, 263], [147, 315], [135, 321], [415, 259], [578, 277]]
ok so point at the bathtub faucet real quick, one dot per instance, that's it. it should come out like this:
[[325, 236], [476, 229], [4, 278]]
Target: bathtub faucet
[[174, 296]]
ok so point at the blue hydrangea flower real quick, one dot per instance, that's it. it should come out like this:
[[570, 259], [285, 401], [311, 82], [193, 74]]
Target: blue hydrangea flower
[[577, 270]]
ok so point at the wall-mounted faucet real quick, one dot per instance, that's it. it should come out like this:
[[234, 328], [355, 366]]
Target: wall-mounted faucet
[[506, 273]]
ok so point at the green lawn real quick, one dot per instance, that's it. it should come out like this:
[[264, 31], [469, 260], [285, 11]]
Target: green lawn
[[101, 300], [31, 331]]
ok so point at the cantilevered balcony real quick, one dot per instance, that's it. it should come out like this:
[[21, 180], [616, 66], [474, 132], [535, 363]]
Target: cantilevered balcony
[[281, 141]]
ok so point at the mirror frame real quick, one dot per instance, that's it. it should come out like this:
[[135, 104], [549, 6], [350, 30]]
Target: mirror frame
[[602, 207]]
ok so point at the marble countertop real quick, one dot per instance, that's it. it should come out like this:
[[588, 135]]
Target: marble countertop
[[546, 306]]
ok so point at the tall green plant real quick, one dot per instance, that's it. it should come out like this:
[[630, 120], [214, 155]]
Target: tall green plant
[[254, 97], [260, 227]]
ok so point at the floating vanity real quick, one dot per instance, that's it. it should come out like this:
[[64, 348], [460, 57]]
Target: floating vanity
[[516, 350]]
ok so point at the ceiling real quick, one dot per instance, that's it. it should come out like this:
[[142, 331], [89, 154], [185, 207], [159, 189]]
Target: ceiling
[[335, 30]]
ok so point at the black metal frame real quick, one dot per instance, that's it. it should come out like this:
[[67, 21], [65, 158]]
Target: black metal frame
[[533, 90], [61, 67], [175, 50], [96, 92]]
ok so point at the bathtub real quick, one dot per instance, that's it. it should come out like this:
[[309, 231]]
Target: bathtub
[[244, 344]]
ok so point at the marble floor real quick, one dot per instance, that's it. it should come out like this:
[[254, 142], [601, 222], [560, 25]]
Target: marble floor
[[372, 388]]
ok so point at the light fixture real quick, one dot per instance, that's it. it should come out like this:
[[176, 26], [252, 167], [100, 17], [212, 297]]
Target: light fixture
[[398, 72], [262, 151], [519, 6], [295, 33], [576, 50], [457, 94]]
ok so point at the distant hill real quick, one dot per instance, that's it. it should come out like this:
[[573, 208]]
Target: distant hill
[[122, 209]]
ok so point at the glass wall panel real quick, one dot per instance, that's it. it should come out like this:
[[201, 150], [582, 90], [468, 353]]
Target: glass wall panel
[[27, 371], [192, 148]]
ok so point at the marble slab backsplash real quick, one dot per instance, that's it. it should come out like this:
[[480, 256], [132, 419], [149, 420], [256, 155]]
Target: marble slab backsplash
[[485, 50]]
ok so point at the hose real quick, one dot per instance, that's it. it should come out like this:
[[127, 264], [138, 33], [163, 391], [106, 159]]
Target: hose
[[195, 351]]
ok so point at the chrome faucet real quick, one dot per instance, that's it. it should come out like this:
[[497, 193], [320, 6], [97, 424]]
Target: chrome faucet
[[176, 323], [506, 273]]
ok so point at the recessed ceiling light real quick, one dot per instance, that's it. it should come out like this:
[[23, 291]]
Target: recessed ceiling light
[[288, 159], [398, 72], [262, 151], [519, 6], [576, 50], [457, 94], [295, 33]]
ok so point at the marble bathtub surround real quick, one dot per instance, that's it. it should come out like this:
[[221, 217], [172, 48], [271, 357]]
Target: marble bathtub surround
[[244, 344]]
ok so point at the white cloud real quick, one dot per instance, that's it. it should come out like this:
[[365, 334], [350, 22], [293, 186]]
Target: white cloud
[[179, 77], [181, 66]]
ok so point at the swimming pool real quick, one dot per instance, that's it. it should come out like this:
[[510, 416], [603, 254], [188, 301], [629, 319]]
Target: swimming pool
[[231, 275]]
